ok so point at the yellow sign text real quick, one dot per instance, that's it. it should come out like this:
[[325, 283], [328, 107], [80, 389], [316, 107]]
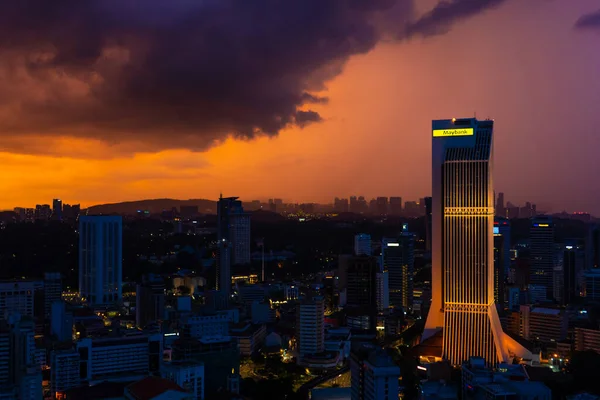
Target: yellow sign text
[[453, 132]]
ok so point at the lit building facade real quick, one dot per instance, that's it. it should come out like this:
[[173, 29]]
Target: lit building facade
[[100, 259], [542, 253], [310, 326], [462, 242], [398, 259]]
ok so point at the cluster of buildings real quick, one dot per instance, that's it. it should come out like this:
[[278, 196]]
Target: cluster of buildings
[[58, 212]]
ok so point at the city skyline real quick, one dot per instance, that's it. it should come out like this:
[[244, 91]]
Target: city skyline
[[537, 93]]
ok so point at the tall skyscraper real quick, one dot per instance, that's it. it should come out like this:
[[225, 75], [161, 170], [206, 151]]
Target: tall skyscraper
[[57, 209], [100, 259], [150, 300], [52, 290], [462, 242], [398, 258], [592, 247], [500, 210], [395, 205], [428, 223], [542, 253], [310, 325], [362, 244], [233, 233]]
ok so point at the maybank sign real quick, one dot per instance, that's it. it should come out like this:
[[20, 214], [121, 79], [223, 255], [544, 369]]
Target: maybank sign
[[453, 132]]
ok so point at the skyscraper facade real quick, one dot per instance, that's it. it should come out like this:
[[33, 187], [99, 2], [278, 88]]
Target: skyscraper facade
[[462, 242], [100, 259], [542, 253], [398, 259], [233, 233], [362, 244]]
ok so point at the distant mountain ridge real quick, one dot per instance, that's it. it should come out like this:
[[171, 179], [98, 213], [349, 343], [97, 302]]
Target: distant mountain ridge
[[153, 205]]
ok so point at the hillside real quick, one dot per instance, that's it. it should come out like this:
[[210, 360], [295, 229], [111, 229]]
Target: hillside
[[153, 205]]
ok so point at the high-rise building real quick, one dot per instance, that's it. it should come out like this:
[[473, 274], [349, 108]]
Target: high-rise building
[[569, 287], [428, 206], [395, 205], [398, 259], [100, 259], [383, 290], [592, 247], [310, 328], [234, 226], [233, 235], [17, 297], [52, 290], [61, 325], [499, 274], [592, 284], [362, 244], [120, 357], [502, 227], [187, 374], [373, 374], [361, 288], [541, 248], [462, 242], [382, 205], [149, 300], [64, 370], [57, 209], [500, 209]]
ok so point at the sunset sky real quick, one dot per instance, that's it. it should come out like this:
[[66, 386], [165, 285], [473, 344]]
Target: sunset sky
[[303, 100]]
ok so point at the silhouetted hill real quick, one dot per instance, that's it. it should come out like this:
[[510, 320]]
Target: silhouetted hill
[[154, 206]]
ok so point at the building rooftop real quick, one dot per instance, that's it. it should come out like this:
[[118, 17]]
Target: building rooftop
[[151, 387], [104, 390]]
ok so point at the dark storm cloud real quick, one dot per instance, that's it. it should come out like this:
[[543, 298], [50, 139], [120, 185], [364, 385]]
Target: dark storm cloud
[[441, 18], [591, 20], [184, 73]]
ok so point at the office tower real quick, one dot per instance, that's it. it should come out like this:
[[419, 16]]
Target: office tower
[[43, 212], [17, 297], [373, 374], [57, 209], [61, 325], [17, 350], [220, 356], [382, 205], [428, 215], [64, 370], [233, 234], [100, 259], [189, 375], [395, 205], [548, 325], [462, 242], [52, 290], [383, 290], [362, 244], [502, 227], [234, 226], [361, 288], [149, 300], [567, 283], [592, 284], [499, 275], [120, 357], [592, 247], [310, 329], [541, 248], [340, 205], [398, 258], [500, 210]]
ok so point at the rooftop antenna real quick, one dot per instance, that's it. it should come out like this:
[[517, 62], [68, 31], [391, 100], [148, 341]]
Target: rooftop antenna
[[475, 113]]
